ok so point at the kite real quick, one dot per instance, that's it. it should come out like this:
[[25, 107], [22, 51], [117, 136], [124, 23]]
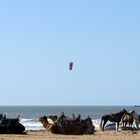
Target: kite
[[70, 65]]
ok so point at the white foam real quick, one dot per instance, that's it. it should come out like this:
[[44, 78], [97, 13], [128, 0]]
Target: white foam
[[31, 124], [25, 120], [96, 123]]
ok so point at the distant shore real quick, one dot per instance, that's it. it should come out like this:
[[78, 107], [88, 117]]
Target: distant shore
[[136, 105], [99, 135]]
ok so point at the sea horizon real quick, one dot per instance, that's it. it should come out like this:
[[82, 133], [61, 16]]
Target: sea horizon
[[65, 105]]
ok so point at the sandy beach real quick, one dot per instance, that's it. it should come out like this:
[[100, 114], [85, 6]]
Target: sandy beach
[[99, 135]]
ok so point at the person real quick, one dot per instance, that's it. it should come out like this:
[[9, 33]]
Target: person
[[1, 117], [61, 118], [4, 116], [136, 118]]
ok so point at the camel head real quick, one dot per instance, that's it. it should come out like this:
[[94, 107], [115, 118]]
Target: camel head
[[44, 121]]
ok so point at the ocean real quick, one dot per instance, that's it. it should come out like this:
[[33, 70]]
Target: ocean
[[29, 115]]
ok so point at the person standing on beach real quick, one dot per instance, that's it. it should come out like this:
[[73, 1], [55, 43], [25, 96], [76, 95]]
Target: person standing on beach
[[136, 118]]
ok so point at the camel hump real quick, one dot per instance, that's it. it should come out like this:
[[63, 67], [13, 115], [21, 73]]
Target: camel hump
[[53, 117]]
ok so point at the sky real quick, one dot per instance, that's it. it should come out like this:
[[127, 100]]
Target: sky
[[38, 39]]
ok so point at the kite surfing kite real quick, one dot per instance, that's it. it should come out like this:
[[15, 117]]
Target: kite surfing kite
[[70, 65]]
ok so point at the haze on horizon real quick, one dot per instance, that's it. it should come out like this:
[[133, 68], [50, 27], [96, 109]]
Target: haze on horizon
[[38, 39]]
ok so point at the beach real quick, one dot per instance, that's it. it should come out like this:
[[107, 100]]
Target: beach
[[36, 131], [99, 135]]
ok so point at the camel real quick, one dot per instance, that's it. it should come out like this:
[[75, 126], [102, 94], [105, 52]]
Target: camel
[[44, 121], [127, 119], [112, 118], [11, 126], [69, 126]]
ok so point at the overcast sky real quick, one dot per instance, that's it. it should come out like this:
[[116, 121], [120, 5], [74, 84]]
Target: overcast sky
[[38, 39]]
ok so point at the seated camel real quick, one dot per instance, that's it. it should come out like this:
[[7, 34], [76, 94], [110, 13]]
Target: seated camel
[[11, 126], [67, 125]]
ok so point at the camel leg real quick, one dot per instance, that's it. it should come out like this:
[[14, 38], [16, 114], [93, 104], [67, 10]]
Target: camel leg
[[137, 124], [117, 126], [105, 121], [125, 124]]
